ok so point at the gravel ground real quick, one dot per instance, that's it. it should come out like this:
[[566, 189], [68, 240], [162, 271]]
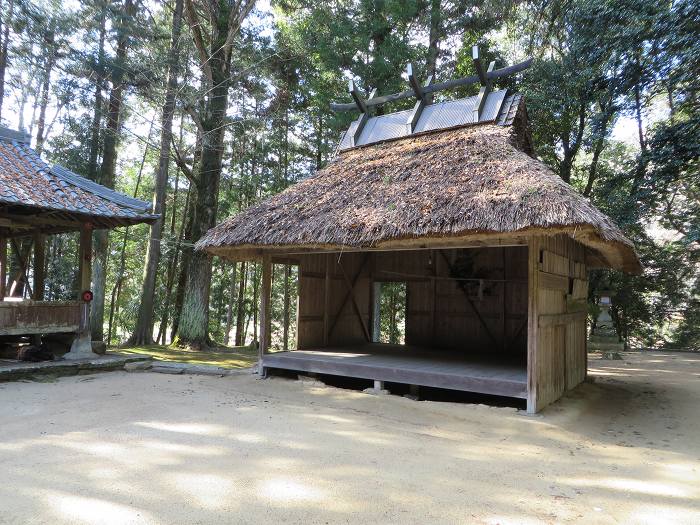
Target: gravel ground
[[152, 448]]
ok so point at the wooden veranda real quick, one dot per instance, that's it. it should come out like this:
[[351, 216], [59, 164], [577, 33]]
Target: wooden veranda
[[501, 320]]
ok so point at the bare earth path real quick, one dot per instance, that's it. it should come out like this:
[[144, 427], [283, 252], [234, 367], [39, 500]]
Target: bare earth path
[[151, 448]]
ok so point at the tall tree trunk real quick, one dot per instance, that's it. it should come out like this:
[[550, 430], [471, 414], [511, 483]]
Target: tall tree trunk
[[231, 303], [108, 171], [215, 63], [598, 146], [285, 309], [97, 105], [143, 332], [172, 269], [642, 161], [49, 41], [240, 306], [116, 290], [5, 27], [182, 276], [434, 36], [36, 92]]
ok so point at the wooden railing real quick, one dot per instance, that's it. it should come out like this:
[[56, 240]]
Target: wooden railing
[[39, 317]]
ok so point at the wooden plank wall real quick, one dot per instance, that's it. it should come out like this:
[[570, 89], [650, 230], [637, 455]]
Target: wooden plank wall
[[558, 281], [438, 314], [346, 329], [32, 317]]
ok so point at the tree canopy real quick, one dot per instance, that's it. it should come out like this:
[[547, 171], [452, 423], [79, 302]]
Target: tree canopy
[[206, 107]]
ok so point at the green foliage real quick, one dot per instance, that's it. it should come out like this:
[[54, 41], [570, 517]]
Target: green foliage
[[392, 313], [598, 65]]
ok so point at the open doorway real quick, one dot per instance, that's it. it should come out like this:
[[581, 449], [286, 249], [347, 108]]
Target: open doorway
[[389, 312], [284, 307]]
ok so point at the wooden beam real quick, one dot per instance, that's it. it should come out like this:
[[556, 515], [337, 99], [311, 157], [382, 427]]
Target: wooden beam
[[544, 321], [265, 289], [357, 132], [3, 267], [39, 266], [28, 221], [355, 94], [434, 88], [7, 223], [376, 302]]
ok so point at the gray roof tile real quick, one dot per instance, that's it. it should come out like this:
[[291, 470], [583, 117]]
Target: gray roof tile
[[25, 179]]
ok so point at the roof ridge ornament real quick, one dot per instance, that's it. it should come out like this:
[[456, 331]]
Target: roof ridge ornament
[[486, 83], [423, 99], [484, 78]]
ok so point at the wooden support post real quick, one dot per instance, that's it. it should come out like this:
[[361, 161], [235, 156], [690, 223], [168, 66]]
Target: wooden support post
[[533, 247], [82, 344], [433, 302], [266, 287], [327, 299], [39, 266], [85, 262], [3, 267], [505, 304]]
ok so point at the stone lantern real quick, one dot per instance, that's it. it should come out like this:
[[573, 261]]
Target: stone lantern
[[604, 337]]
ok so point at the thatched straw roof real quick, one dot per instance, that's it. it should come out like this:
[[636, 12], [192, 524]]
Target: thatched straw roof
[[451, 187]]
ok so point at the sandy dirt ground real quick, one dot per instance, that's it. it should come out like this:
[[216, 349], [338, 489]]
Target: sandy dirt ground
[[123, 448]]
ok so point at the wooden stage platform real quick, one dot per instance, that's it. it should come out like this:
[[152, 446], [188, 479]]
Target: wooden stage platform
[[410, 365]]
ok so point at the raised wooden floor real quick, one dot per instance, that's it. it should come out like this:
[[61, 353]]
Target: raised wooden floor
[[410, 365]]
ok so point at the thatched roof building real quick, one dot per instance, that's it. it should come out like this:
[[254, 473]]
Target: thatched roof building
[[429, 189], [448, 203]]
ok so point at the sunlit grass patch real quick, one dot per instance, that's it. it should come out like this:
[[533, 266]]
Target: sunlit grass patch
[[236, 357]]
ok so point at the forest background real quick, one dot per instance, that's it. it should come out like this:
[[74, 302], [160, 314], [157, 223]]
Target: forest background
[[205, 107]]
